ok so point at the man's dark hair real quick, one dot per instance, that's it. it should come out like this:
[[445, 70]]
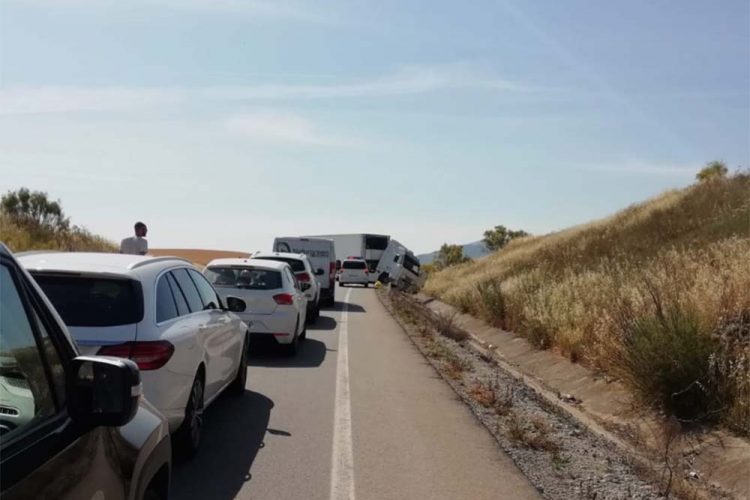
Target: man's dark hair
[[140, 225]]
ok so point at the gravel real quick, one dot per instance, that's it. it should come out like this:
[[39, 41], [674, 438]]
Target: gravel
[[561, 459]]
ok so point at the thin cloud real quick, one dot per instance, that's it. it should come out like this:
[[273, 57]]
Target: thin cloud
[[412, 80], [408, 81], [259, 8], [640, 168], [284, 127], [21, 100]]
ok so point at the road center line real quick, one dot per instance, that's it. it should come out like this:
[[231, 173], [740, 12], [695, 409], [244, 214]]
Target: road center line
[[342, 468]]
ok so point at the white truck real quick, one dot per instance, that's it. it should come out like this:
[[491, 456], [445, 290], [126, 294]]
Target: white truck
[[400, 267], [369, 247], [322, 255]]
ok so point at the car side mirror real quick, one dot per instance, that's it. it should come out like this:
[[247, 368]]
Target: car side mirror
[[338, 265], [102, 391], [319, 272], [305, 286], [236, 304]]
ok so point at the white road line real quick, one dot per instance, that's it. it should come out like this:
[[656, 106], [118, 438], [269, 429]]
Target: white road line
[[342, 468]]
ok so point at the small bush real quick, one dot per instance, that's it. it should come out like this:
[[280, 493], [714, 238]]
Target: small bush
[[666, 361], [485, 395], [493, 301], [445, 324]]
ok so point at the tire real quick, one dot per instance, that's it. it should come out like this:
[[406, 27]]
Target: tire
[[237, 388], [151, 495], [188, 436], [291, 349]]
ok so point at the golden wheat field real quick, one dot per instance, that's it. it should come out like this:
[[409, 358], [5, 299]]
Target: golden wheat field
[[657, 295]]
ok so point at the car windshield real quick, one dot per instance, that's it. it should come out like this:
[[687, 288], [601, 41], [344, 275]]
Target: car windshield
[[251, 278], [93, 301], [354, 264], [297, 265]]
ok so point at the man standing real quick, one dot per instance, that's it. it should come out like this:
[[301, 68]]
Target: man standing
[[136, 245]]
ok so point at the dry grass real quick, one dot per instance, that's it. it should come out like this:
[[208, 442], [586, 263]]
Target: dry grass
[[659, 285], [536, 435], [23, 237], [485, 395]]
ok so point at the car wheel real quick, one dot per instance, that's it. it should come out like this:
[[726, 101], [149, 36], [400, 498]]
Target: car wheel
[[291, 349], [238, 384], [189, 434], [151, 495]]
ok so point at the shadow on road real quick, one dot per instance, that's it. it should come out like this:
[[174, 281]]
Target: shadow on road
[[356, 308], [323, 323], [310, 354], [233, 434]]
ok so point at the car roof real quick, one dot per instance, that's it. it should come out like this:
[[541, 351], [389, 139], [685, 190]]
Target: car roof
[[284, 255], [262, 263], [315, 239], [90, 262]]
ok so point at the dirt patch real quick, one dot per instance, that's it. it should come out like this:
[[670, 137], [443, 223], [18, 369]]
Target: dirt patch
[[197, 256]]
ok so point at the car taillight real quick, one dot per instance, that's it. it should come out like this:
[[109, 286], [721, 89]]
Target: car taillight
[[302, 277], [284, 299], [147, 355]]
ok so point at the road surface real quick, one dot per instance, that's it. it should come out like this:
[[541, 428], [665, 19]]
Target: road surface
[[357, 414]]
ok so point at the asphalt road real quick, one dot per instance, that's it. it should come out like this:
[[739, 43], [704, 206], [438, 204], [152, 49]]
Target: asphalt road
[[381, 426]]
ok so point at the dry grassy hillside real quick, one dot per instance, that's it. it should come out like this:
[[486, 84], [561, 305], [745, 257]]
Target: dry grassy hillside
[[197, 256], [657, 295], [21, 237]]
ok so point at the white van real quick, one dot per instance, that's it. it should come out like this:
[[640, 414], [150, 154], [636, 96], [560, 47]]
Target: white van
[[400, 267], [322, 255]]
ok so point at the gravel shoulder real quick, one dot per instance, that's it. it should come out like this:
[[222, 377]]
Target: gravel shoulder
[[562, 459]]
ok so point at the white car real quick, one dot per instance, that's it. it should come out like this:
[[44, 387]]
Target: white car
[[276, 305], [354, 271], [161, 313], [303, 271]]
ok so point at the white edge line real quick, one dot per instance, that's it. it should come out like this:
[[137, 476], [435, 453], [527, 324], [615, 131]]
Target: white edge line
[[342, 466]]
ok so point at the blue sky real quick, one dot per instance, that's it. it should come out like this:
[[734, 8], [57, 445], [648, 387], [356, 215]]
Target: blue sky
[[222, 123]]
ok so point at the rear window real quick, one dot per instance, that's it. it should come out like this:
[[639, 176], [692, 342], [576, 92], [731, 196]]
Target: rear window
[[297, 265], [90, 301], [354, 264], [250, 278]]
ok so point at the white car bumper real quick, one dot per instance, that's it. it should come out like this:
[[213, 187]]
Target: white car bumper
[[281, 324]]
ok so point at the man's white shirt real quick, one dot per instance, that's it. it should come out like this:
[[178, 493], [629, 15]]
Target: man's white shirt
[[134, 245]]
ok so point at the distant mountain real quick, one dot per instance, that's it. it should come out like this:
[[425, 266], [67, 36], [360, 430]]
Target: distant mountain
[[473, 250]]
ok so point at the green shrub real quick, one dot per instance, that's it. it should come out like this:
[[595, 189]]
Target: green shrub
[[666, 361]]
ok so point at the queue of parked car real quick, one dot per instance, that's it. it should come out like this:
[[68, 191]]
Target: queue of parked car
[[82, 335]]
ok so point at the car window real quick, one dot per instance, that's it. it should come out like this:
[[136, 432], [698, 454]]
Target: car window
[[292, 279], [354, 264], [179, 297], [208, 294], [297, 265], [25, 395], [166, 308], [248, 277], [93, 301], [188, 289]]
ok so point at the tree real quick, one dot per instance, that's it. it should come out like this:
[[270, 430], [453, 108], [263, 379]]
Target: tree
[[34, 208], [713, 170], [497, 238], [450, 255]]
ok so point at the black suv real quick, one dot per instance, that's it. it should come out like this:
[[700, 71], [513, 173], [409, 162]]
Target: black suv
[[70, 426]]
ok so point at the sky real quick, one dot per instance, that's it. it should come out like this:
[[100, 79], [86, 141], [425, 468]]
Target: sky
[[224, 123]]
